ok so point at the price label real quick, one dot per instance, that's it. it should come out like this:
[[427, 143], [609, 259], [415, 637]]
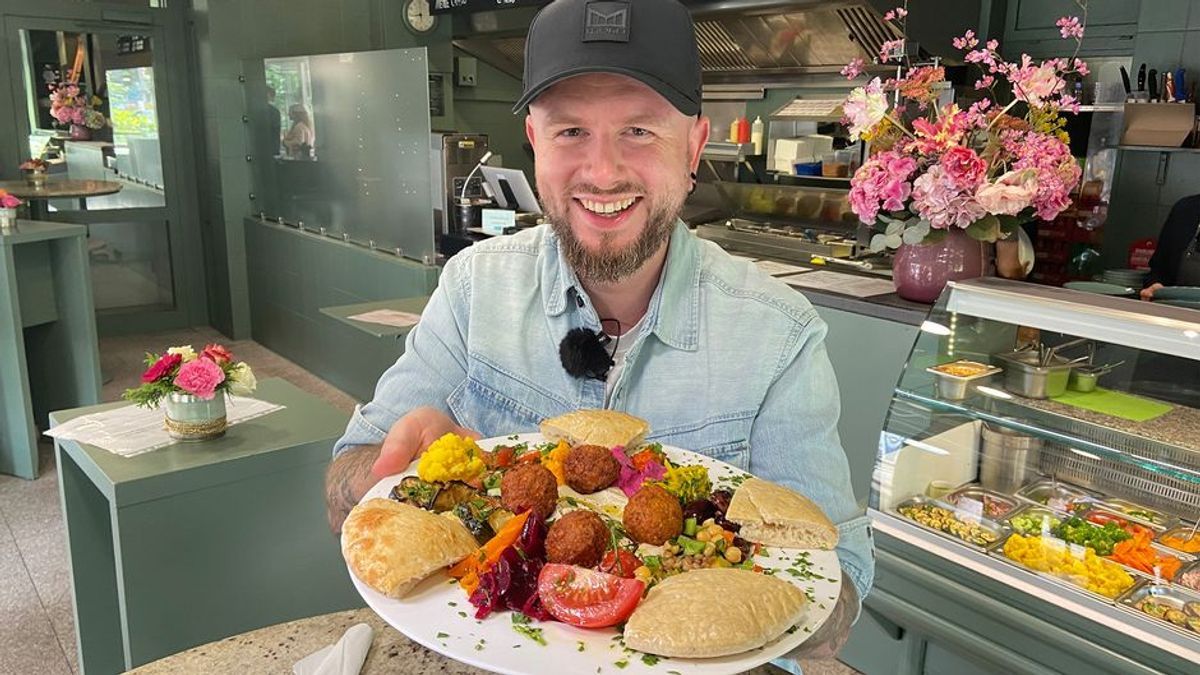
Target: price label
[[1054, 544], [1078, 552], [1045, 525], [969, 510]]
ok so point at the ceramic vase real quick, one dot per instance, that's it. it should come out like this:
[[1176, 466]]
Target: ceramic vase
[[190, 418], [80, 133], [8, 220], [36, 179], [921, 271]]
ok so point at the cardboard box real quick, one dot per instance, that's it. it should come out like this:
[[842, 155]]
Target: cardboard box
[[1164, 125]]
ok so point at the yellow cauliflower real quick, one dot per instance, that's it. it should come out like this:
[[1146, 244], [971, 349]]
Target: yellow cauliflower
[[554, 459], [451, 457]]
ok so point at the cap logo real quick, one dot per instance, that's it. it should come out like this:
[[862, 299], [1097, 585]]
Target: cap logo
[[606, 22]]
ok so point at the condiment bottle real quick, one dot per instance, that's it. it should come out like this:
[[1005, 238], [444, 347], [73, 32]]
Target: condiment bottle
[[733, 131], [756, 135], [743, 130]]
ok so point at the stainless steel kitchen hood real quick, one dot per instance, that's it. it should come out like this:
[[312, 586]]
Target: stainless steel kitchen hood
[[772, 41]]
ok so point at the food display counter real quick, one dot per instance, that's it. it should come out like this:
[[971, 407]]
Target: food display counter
[[1037, 488]]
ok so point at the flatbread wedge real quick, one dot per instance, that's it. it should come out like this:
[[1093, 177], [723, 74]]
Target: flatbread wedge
[[678, 617], [607, 428], [773, 515], [392, 546]]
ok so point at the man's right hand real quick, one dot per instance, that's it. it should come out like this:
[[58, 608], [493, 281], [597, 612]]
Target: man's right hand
[[1148, 292], [409, 437], [357, 469]]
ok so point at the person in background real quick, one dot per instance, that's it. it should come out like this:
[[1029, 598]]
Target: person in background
[[274, 123], [1176, 259], [716, 355], [300, 137]]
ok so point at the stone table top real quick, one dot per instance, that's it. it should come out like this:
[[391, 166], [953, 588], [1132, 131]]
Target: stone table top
[[61, 188], [275, 649]]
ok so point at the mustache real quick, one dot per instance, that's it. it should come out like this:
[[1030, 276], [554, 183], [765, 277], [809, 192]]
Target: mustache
[[618, 189]]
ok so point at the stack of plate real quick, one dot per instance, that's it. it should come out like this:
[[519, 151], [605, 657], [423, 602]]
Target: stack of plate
[[1129, 278]]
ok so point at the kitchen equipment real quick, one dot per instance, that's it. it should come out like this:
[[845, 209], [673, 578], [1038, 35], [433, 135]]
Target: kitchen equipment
[[454, 157], [1085, 378], [1125, 81], [1006, 458], [1153, 82], [1032, 375], [1141, 78], [953, 386]]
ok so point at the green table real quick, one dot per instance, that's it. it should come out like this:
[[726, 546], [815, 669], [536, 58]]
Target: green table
[[344, 312], [198, 541], [49, 356]]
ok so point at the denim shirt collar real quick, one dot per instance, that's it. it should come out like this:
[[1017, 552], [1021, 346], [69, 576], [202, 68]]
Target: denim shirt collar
[[674, 312]]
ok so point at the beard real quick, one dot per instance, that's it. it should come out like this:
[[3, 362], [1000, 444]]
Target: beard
[[611, 262]]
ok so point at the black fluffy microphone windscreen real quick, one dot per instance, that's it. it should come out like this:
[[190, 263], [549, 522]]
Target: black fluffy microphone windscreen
[[583, 354]]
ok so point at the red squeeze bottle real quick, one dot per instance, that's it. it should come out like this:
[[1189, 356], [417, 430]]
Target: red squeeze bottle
[[743, 130]]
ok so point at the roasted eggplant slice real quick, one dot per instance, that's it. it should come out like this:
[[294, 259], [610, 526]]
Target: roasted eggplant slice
[[1155, 609], [419, 493], [453, 494], [1192, 608], [475, 513], [1194, 623]]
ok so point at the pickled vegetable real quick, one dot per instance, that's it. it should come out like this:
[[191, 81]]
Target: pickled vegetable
[[1056, 559], [944, 520]]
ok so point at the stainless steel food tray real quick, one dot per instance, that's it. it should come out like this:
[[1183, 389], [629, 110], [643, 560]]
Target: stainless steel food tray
[[1035, 509], [978, 493], [1172, 596], [1182, 527], [957, 387], [1138, 577], [1189, 567], [1034, 491], [1001, 532], [1162, 520], [1097, 507]]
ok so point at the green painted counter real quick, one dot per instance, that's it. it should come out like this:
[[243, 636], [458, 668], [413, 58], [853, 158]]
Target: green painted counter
[[49, 356], [198, 541], [344, 313]]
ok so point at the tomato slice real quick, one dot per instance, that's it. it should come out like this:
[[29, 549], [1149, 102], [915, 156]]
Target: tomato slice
[[622, 563], [586, 598]]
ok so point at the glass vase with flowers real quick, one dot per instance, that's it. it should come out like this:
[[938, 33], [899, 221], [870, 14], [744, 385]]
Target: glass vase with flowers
[[192, 388]]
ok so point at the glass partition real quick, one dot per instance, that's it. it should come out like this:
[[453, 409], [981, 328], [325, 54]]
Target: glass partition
[[339, 145]]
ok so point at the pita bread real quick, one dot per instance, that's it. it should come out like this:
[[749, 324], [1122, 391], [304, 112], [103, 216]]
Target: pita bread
[[391, 546], [606, 428], [678, 617], [773, 515]]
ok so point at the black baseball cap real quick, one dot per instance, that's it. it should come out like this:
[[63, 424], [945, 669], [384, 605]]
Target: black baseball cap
[[652, 41]]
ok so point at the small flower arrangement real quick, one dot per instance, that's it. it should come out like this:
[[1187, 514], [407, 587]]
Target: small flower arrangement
[[9, 201], [983, 170], [34, 165], [69, 104], [202, 375]]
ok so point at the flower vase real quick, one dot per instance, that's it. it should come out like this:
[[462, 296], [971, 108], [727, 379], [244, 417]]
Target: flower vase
[[8, 220], [190, 418], [921, 271], [80, 133]]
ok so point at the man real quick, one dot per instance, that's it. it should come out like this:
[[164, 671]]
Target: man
[[718, 357]]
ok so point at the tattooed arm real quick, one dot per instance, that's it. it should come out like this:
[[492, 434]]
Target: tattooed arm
[[347, 480], [829, 638]]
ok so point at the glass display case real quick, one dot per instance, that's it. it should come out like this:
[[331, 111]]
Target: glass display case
[[1042, 455]]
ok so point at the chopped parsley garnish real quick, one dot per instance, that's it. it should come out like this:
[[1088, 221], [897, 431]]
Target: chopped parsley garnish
[[462, 614], [651, 659], [530, 632], [580, 646], [442, 635], [519, 618], [452, 604], [622, 663]]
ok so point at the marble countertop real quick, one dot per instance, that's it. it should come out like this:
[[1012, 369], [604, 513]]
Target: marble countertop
[[275, 648]]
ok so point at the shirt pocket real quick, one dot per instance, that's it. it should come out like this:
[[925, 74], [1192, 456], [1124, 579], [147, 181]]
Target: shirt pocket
[[725, 438], [496, 403]]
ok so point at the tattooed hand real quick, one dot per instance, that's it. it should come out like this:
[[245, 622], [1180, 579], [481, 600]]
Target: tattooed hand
[[357, 469], [829, 638]]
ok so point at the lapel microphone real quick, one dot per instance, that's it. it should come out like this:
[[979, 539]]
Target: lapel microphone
[[584, 352]]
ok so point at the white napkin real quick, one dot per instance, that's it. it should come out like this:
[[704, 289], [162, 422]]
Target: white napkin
[[344, 657]]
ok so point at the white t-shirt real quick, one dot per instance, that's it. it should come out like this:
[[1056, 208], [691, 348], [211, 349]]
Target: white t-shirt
[[618, 350]]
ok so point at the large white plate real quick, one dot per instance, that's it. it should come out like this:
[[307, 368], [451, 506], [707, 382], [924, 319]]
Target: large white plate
[[437, 614]]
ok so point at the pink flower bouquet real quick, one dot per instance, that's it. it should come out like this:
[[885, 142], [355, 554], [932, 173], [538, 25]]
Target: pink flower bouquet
[[71, 105], [202, 375], [9, 201], [983, 169]]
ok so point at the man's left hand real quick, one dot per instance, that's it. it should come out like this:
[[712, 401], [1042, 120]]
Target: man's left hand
[[829, 638]]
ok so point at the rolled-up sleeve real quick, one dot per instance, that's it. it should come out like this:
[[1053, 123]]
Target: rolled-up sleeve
[[794, 441], [433, 364]]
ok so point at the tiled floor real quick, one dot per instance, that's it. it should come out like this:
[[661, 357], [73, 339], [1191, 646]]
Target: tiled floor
[[37, 630]]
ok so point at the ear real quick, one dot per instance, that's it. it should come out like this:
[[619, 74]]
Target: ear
[[697, 139], [529, 130]]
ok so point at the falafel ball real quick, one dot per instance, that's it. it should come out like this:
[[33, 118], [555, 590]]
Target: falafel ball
[[529, 486], [590, 468], [653, 515], [578, 538]]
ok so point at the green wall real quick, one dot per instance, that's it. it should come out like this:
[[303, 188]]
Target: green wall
[[486, 108]]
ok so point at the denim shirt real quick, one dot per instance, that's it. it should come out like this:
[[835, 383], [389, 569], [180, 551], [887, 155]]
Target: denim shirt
[[728, 362]]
